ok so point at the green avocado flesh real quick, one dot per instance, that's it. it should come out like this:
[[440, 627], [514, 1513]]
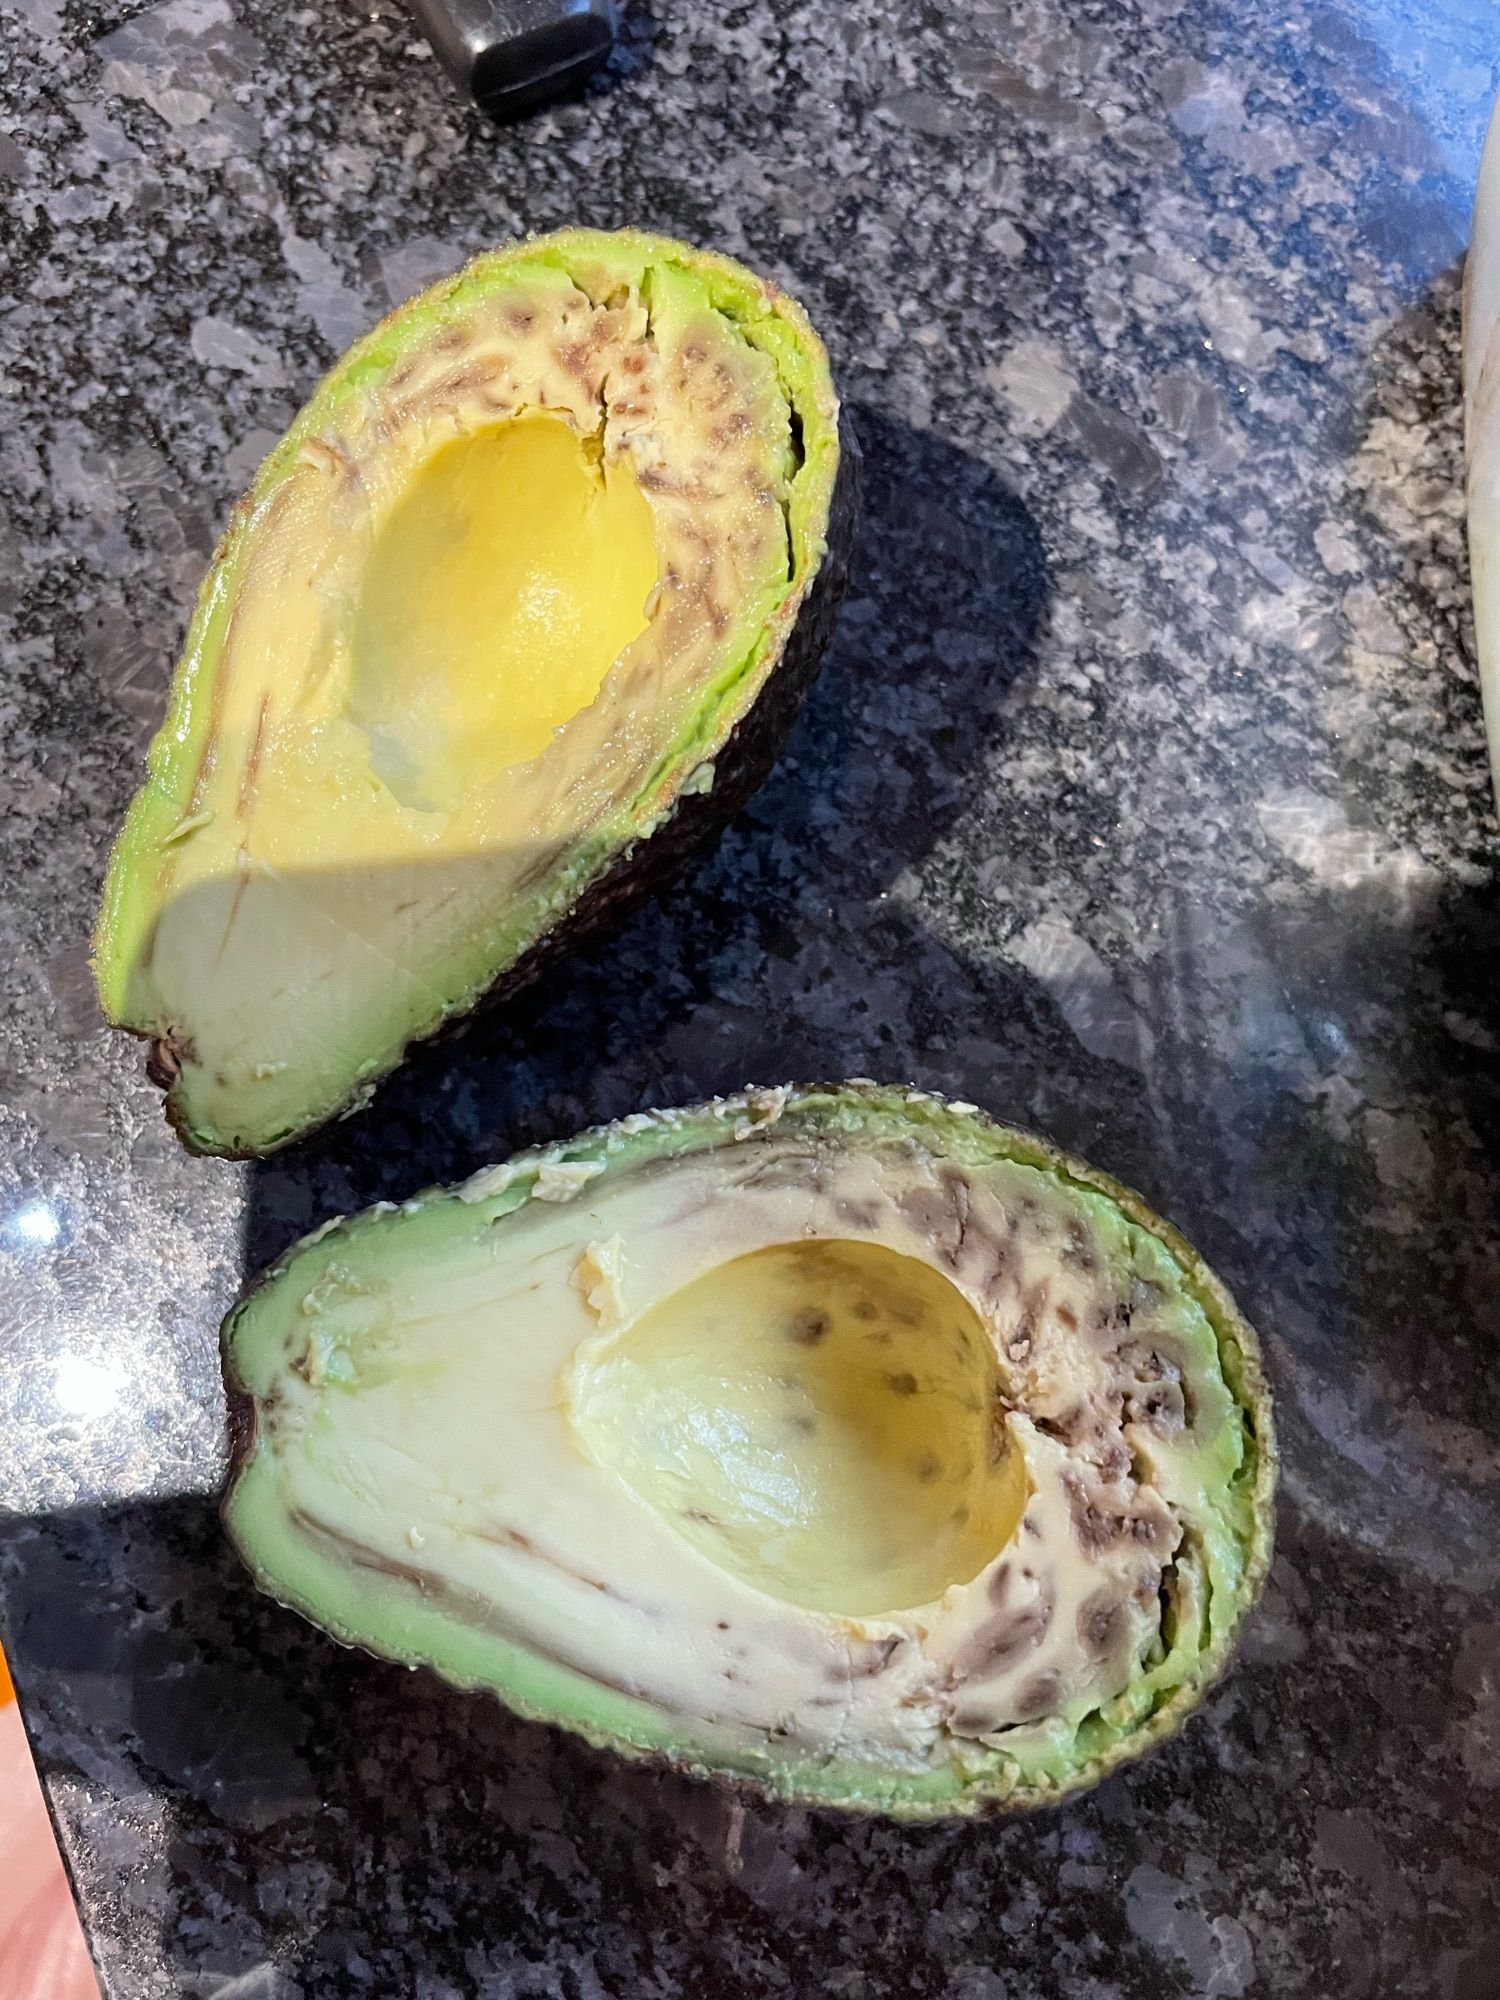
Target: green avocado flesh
[[838, 1439], [497, 604]]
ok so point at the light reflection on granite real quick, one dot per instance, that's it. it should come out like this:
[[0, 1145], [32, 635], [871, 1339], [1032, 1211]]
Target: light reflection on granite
[[1143, 799]]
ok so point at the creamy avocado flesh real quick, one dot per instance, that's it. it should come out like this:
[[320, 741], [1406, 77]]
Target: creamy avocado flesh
[[496, 602], [839, 1438]]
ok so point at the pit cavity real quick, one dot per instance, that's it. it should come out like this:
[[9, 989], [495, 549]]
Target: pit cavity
[[818, 1418], [499, 592]]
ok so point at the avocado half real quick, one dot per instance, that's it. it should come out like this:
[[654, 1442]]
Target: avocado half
[[833, 1438], [519, 610]]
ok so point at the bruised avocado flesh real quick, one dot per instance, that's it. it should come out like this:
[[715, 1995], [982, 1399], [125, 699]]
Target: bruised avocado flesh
[[496, 608], [838, 1438]]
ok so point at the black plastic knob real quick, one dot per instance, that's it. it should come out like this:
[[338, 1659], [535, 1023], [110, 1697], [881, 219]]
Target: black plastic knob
[[511, 55]]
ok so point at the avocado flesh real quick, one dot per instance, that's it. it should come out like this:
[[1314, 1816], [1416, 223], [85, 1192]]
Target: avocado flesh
[[493, 609], [833, 1438]]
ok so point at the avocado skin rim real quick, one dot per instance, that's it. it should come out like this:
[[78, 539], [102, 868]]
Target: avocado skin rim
[[1239, 1348], [695, 819]]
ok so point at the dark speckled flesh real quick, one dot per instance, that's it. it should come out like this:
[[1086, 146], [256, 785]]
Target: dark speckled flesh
[[1006, 1635], [696, 819]]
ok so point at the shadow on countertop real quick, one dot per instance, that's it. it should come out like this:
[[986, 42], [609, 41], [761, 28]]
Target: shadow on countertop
[[328, 1824], [779, 955], [476, 1839], [1312, 1091], [1353, 1199]]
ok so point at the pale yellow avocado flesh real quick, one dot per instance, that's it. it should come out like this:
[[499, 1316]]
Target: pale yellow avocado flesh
[[500, 591], [819, 1418], [888, 1467], [494, 604]]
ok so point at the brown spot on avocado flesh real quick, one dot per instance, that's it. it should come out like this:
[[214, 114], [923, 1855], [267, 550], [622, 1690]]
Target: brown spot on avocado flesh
[[874, 1657], [250, 773], [512, 1538], [467, 1605], [1010, 1634], [1101, 1623], [808, 1326], [1103, 1517], [168, 1054], [1153, 1389], [1038, 1698]]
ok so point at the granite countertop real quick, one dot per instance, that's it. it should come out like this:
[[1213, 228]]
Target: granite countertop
[[1143, 799]]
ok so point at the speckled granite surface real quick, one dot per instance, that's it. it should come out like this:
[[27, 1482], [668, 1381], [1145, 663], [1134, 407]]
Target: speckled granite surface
[[1143, 799]]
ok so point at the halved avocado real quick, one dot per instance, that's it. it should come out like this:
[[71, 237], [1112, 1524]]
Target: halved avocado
[[836, 1438], [520, 608]]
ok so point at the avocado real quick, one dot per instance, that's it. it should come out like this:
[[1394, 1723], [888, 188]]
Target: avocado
[[833, 1438], [518, 611]]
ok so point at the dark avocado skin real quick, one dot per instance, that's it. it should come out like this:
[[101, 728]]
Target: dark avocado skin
[[696, 820]]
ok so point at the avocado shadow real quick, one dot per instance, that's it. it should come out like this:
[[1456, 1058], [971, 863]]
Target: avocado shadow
[[1348, 1195], [1319, 1087], [788, 950], [295, 1813], [781, 952]]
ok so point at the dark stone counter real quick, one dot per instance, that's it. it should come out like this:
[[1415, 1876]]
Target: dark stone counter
[[1143, 799]]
